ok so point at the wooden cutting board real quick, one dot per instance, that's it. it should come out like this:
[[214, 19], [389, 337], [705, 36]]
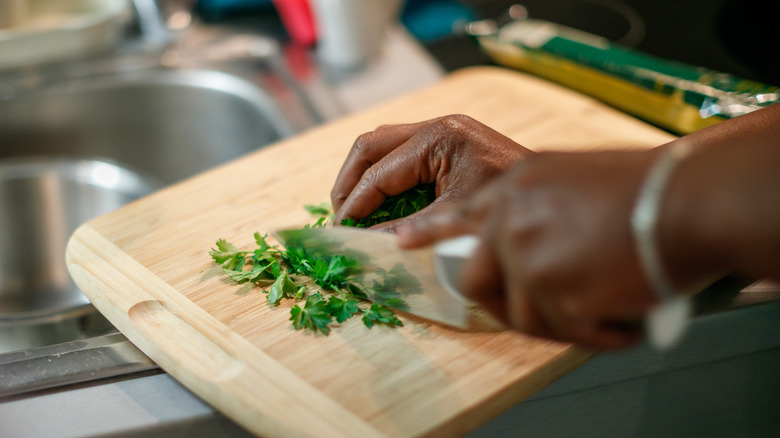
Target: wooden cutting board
[[146, 268]]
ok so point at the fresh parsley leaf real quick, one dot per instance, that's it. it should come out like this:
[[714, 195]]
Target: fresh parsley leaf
[[254, 275], [283, 287], [348, 222], [342, 309], [319, 224], [227, 255], [379, 314], [392, 285], [339, 269], [330, 273], [295, 257], [262, 244], [313, 316], [322, 209], [266, 261], [355, 289]]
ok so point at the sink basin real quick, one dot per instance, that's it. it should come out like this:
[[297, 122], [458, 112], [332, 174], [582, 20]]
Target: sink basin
[[168, 124], [157, 125]]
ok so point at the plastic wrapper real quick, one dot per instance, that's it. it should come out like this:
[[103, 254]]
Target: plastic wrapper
[[675, 96]]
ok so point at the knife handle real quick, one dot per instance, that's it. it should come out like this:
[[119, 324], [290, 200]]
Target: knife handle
[[448, 257]]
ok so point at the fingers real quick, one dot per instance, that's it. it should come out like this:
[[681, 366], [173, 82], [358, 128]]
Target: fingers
[[559, 314], [401, 170], [615, 335], [368, 150], [481, 280], [586, 328], [532, 315], [432, 229], [499, 288]]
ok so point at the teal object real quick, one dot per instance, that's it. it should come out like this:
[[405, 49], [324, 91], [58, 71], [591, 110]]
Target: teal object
[[219, 9], [429, 20]]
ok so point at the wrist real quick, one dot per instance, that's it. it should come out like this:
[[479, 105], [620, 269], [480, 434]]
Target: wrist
[[689, 227]]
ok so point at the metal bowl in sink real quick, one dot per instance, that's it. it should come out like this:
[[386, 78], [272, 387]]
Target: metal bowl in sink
[[42, 201], [165, 124]]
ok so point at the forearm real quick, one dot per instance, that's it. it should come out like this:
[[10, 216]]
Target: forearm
[[721, 212]]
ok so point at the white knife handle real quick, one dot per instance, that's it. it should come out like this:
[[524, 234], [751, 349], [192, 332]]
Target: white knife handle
[[448, 256]]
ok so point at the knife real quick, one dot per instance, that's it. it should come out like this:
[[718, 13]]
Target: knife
[[424, 281]]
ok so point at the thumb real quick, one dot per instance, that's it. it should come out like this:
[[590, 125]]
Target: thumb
[[450, 219], [416, 232]]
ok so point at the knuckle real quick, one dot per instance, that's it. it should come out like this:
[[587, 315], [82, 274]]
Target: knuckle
[[448, 134], [337, 195], [383, 129], [454, 125], [371, 177], [363, 143], [458, 121]]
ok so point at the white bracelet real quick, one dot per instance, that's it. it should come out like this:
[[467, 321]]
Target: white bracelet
[[666, 323]]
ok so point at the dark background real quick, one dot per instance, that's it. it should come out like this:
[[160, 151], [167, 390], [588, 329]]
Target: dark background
[[733, 36]]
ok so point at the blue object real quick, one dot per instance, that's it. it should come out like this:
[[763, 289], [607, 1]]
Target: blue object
[[429, 20], [218, 9]]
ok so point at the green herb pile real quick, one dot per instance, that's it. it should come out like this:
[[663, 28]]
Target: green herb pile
[[342, 295], [396, 207]]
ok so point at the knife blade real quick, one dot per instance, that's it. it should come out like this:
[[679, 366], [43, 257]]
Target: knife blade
[[429, 276], [422, 282]]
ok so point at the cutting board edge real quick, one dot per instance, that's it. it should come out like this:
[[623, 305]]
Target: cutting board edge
[[218, 393], [490, 408]]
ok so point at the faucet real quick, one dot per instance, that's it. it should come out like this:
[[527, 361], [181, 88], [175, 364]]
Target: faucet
[[151, 22]]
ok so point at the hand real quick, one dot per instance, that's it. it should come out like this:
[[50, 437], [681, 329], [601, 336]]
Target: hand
[[455, 152], [557, 258]]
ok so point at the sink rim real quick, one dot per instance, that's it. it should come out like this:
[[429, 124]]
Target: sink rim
[[198, 78]]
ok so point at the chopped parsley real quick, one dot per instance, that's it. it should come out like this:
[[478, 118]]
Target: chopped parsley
[[339, 277]]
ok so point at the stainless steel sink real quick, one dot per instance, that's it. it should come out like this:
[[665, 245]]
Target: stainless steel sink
[[157, 123], [167, 124]]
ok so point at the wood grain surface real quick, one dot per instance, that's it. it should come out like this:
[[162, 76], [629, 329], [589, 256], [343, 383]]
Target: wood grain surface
[[146, 267]]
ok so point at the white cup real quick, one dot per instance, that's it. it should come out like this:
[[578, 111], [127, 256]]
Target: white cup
[[351, 32]]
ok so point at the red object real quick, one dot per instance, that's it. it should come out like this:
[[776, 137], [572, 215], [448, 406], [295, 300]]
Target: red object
[[297, 19]]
